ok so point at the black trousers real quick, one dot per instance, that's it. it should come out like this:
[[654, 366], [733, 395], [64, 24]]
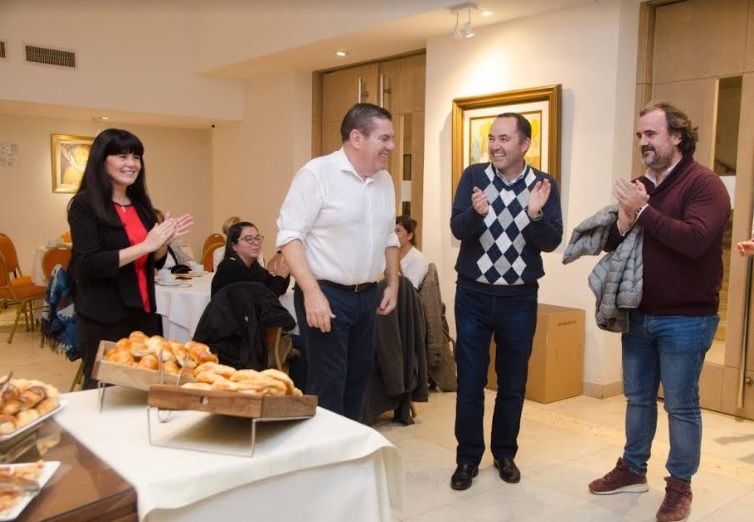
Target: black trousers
[[91, 332]]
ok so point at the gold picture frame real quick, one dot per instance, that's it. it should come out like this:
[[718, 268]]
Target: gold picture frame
[[69, 155], [472, 117]]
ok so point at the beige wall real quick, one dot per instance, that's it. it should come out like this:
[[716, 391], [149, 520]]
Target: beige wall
[[178, 167], [150, 68], [591, 51], [254, 161]]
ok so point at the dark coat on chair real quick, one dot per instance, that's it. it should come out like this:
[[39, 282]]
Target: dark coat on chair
[[233, 324], [440, 346], [400, 373]]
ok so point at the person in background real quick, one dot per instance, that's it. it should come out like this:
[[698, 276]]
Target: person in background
[[219, 253], [242, 249], [506, 213], [413, 263], [682, 208], [337, 233], [116, 246], [179, 252]]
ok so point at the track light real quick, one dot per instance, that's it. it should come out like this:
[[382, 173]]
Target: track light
[[468, 32], [457, 30]]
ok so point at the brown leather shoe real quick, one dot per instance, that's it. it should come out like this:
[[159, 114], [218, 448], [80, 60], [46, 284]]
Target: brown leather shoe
[[461, 479], [677, 503], [509, 472], [619, 480]]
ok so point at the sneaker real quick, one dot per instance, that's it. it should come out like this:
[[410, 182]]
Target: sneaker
[[619, 480], [677, 504]]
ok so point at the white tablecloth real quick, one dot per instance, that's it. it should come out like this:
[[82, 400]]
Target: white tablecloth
[[325, 468], [182, 306], [37, 272]]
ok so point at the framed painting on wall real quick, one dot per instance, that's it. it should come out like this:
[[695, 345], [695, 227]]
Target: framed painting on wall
[[473, 117], [69, 155]]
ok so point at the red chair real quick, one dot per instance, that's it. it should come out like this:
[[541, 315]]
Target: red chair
[[17, 289], [59, 255]]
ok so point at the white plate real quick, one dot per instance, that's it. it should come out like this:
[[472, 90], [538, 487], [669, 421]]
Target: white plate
[[31, 425], [172, 283], [48, 470]]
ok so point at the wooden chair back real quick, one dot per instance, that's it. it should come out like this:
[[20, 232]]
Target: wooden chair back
[[59, 255], [8, 249], [213, 239]]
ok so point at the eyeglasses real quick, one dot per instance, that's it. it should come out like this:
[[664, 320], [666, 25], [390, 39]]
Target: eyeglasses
[[252, 239]]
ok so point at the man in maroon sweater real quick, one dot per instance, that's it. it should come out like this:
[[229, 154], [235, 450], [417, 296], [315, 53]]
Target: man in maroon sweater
[[682, 207]]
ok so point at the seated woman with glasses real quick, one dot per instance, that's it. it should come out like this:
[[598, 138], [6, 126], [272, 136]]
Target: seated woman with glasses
[[243, 247]]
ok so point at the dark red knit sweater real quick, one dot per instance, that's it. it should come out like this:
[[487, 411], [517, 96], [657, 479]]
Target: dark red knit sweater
[[683, 233]]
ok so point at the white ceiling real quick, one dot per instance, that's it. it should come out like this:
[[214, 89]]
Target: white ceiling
[[246, 38]]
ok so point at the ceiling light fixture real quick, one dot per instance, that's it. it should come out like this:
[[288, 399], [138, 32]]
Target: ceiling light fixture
[[341, 54], [457, 30], [468, 31]]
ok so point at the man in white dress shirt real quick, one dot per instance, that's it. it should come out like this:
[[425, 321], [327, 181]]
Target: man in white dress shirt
[[336, 231]]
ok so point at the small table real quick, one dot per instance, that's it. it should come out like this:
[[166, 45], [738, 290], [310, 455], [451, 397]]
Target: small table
[[327, 468], [182, 306], [83, 488]]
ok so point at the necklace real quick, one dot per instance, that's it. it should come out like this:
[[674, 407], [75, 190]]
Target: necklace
[[121, 205]]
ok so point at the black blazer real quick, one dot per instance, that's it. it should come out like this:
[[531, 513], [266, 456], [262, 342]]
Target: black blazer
[[103, 291]]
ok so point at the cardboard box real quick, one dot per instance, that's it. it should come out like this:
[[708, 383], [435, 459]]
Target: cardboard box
[[129, 376], [556, 366]]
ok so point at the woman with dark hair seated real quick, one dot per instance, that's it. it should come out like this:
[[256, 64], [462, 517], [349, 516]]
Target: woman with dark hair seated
[[243, 247], [413, 263]]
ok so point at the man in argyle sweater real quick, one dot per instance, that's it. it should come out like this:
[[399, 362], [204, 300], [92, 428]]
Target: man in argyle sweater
[[505, 213]]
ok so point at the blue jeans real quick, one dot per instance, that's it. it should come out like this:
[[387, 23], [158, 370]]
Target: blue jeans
[[339, 362], [668, 350], [512, 320]]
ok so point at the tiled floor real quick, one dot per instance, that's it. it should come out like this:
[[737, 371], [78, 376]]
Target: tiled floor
[[564, 445]]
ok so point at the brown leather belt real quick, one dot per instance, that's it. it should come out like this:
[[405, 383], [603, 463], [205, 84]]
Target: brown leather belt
[[361, 287]]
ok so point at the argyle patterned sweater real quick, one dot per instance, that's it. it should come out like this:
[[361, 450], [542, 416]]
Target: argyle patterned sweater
[[501, 253]]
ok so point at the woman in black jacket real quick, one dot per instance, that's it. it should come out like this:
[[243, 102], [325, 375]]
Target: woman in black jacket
[[242, 249], [116, 246]]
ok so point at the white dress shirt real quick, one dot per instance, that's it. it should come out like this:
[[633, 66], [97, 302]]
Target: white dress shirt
[[344, 221]]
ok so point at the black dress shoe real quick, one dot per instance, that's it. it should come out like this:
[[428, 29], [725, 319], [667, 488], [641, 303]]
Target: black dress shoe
[[461, 479], [509, 472]]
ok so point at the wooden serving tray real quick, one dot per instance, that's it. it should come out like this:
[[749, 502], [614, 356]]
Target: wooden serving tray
[[168, 397], [129, 376]]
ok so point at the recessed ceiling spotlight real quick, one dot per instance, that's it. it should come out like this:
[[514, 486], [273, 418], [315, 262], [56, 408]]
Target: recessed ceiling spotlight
[[100, 119], [487, 13], [341, 54]]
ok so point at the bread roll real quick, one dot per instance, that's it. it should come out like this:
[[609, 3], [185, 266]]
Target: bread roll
[[123, 343], [11, 407], [242, 375], [209, 377], [32, 396], [138, 336], [26, 417], [171, 367], [206, 367], [280, 376], [149, 362], [197, 386], [225, 385], [46, 406], [7, 424], [121, 357]]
